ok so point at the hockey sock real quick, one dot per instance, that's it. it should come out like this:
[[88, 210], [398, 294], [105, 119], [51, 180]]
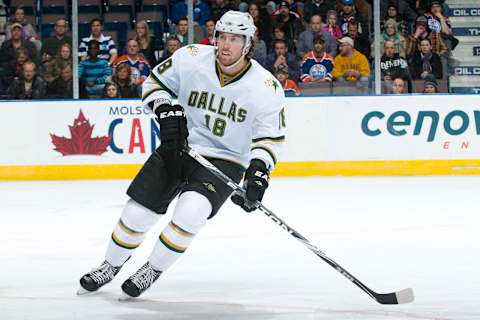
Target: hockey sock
[[189, 217], [129, 232]]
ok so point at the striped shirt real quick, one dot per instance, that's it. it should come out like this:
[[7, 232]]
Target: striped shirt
[[96, 71], [107, 47], [139, 68], [314, 68]]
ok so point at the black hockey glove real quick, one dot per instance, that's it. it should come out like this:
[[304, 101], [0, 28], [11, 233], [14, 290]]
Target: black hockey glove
[[173, 136], [255, 183]]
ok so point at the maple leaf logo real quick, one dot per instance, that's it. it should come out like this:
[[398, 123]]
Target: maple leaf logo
[[81, 141]]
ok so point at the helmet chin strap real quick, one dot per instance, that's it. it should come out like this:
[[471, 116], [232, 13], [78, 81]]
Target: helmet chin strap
[[224, 67]]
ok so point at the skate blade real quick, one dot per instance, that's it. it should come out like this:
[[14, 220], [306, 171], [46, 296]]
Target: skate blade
[[81, 291]]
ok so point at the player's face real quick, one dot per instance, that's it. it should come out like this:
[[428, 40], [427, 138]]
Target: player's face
[[230, 47], [398, 86]]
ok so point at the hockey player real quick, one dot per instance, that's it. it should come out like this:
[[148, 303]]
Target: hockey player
[[230, 110]]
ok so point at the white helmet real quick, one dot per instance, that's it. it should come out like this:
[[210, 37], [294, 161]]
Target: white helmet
[[237, 22]]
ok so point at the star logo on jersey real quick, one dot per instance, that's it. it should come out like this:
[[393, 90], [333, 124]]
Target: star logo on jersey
[[192, 49], [210, 187], [272, 83]]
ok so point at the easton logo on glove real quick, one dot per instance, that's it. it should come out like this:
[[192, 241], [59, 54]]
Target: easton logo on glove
[[172, 113]]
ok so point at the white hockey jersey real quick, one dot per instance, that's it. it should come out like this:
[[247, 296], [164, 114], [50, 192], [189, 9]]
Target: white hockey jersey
[[233, 118]]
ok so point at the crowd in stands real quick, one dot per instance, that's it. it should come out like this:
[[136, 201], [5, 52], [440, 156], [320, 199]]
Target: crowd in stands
[[305, 44]]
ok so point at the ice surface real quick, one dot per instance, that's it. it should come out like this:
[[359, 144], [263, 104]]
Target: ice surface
[[391, 233]]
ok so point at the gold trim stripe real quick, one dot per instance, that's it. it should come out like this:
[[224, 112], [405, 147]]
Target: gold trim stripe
[[283, 169], [170, 245], [123, 244], [126, 229], [179, 230]]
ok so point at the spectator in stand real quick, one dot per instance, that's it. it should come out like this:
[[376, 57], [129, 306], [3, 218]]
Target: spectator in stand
[[317, 65], [393, 13], [430, 85], [360, 42], [305, 40], [29, 86], [62, 86], [320, 7], [182, 31], [210, 26], [398, 86], [55, 66], [393, 65], [262, 21], [281, 57], [351, 65], [260, 51], [108, 50], [289, 86], [219, 7], [438, 22], [421, 31], [348, 14], [139, 67], [201, 12], [290, 20], [51, 45], [332, 26], [28, 31], [111, 91], [279, 33], [425, 62], [173, 44], [391, 33], [146, 41], [122, 79], [7, 51], [13, 69], [93, 71]]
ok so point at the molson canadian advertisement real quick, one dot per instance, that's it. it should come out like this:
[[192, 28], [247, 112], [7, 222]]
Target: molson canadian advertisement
[[370, 135]]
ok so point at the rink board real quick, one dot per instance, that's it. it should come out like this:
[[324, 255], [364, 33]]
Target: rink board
[[377, 135]]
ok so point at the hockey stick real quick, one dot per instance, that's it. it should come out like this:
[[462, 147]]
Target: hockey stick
[[398, 297]]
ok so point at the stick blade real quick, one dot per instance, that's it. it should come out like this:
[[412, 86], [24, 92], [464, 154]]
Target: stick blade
[[399, 297]]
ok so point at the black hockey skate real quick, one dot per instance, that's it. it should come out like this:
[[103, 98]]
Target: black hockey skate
[[140, 281], [98, 277]]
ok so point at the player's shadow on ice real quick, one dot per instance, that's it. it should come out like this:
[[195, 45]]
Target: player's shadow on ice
[[190, 310]]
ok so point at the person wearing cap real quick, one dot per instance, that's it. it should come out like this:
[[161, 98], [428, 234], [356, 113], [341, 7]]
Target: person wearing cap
[[317, 65], [422, 31], [8, 48], [351, 65], [289, 86], [305, 40], [436, 20], [392, 12], [320, 7], [28, 31], [348, 14], [290, 20], [430, 85], [425, 62]]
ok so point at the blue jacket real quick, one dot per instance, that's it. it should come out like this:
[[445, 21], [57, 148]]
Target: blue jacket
[[201, 12]]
